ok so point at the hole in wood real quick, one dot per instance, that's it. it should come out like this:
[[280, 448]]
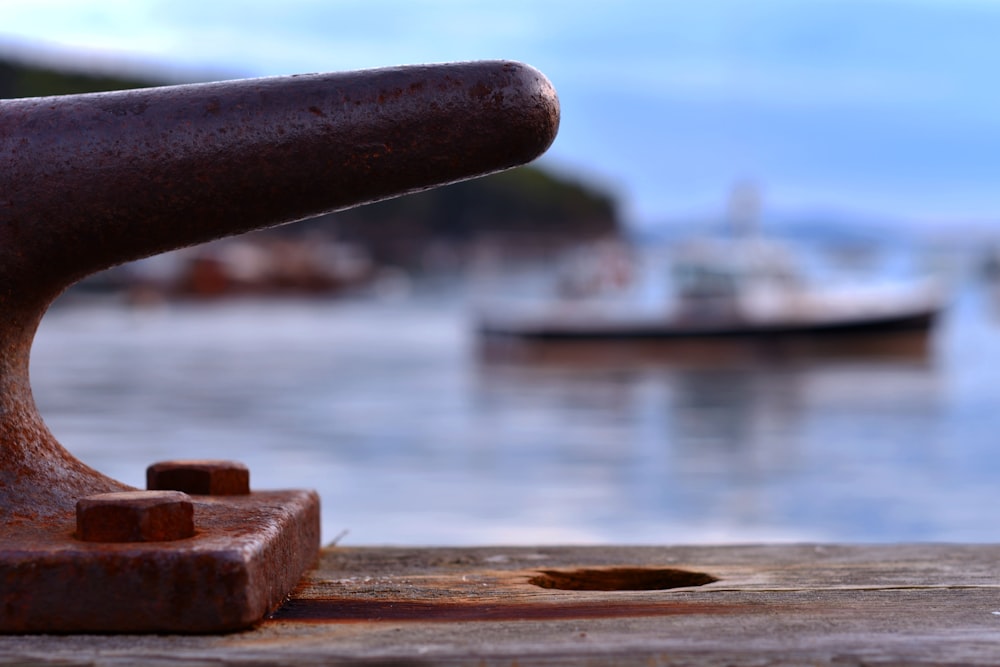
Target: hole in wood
[[620, 579]]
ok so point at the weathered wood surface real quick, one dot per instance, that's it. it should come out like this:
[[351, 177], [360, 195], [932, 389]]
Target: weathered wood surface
[[771, 605]]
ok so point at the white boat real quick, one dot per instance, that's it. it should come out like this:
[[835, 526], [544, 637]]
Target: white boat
[[738, 290]]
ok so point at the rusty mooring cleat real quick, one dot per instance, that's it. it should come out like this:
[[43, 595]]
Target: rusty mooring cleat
[[91, 181]]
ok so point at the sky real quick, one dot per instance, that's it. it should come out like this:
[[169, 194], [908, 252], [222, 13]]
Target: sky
[[867, 109]]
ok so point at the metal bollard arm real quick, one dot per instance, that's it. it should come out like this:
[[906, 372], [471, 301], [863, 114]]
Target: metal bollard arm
[[91, 181]]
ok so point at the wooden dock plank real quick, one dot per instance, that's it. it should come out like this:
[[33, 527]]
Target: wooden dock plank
[[769, 605]]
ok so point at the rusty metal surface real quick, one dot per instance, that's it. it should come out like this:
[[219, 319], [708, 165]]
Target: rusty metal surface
[[247, 553], [135, 516], [90, 181], [200, 477]]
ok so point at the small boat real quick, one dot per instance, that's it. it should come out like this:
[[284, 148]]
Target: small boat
[[745, 289]]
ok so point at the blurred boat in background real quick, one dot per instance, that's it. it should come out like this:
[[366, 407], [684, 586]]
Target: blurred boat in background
[[740, 289]]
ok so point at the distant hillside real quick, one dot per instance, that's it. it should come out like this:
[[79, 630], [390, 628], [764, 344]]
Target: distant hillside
[[525, 206], [26, 80]]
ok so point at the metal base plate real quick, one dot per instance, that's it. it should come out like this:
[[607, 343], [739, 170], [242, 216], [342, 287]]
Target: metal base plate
[[247, 555]]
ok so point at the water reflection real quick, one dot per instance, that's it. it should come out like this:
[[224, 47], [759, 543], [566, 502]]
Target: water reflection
[[734, 443], [415, 435]]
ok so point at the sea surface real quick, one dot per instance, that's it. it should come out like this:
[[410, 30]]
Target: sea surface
[[414, 435]]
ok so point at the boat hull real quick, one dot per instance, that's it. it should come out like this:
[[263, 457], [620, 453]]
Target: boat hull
[[554, 329]]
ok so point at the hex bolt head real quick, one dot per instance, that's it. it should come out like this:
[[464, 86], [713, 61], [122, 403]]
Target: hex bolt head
[[135, 516], [200, 477]]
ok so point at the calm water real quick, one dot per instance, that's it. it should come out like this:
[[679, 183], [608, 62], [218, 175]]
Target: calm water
[[411, 436]]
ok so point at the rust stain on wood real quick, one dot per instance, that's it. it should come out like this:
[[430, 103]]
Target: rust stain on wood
[[354, 610]]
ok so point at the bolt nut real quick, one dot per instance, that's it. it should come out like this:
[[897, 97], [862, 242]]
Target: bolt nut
[[135, 516], [200, 478]]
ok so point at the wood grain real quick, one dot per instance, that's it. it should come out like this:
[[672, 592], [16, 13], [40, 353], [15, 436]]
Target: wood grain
[[768, 605]]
